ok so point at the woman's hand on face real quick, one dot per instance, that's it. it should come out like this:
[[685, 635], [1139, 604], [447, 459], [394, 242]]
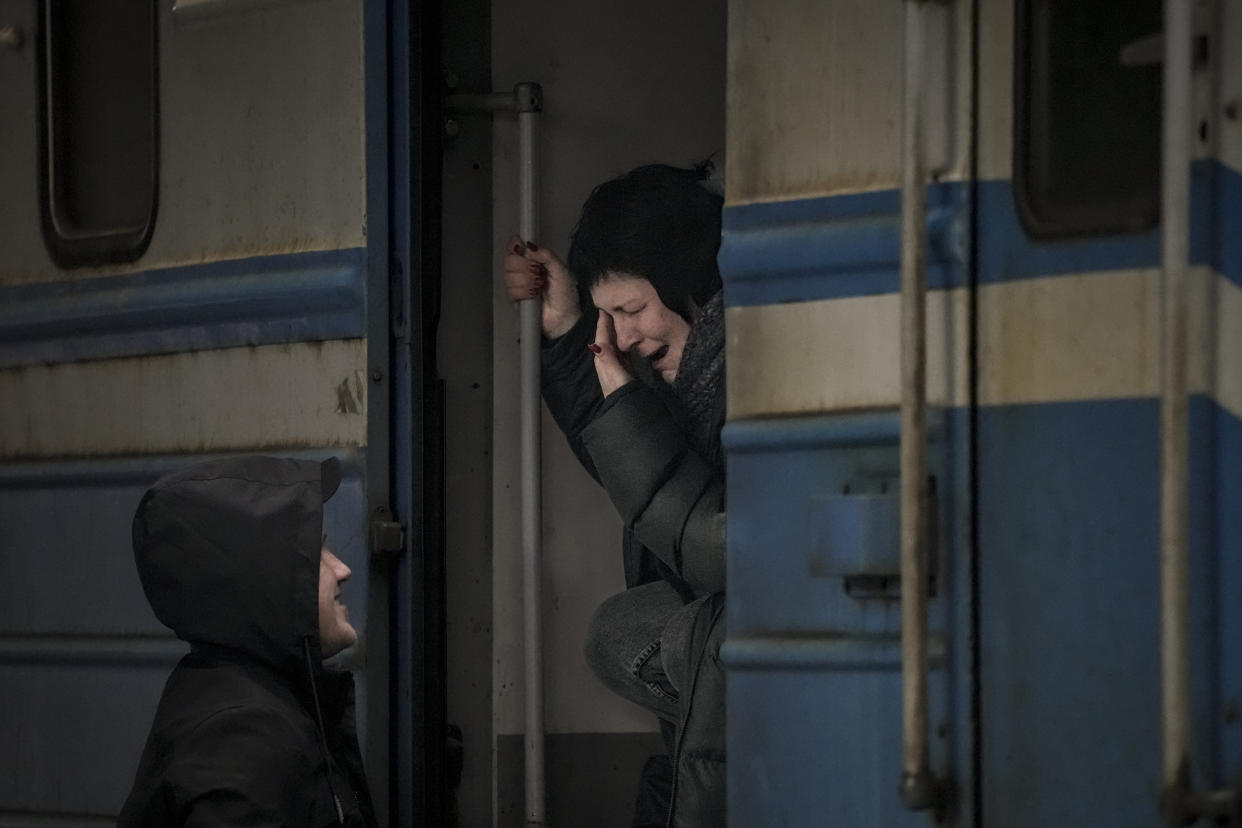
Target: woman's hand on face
[[531, 270], [609, 366]]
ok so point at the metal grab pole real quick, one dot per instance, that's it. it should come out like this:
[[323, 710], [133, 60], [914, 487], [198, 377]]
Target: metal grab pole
[[917, 787], [1174, 439], [1180, 803], [528, 101]]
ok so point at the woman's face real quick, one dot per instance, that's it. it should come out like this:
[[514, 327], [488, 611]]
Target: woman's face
[[644, 324]]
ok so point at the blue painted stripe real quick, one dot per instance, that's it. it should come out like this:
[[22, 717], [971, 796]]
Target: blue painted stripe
[[1226, 208], [256, 301], [821, 653], [759, 435], [142, 470], [850, 245], [820, 431], [829, 248]]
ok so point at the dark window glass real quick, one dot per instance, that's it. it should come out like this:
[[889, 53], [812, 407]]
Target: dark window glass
[[1087, 125], [99, 128]]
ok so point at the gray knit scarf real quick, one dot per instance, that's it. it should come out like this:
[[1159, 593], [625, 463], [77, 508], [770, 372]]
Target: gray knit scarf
[[700, 382]]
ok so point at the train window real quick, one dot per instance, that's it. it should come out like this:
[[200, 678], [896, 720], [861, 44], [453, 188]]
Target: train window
[[99, 129], [1087, 116]]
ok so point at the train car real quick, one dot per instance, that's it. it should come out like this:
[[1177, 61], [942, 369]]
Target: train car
[[269, 226], [197, 260], [251, 226], [1076, 657]]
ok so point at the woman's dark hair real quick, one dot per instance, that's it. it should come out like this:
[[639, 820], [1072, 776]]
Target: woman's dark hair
[[658, 222]]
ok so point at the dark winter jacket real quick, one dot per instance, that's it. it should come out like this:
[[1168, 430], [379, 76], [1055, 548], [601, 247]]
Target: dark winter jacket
[[667, 482], [229, 557], [668, 491]]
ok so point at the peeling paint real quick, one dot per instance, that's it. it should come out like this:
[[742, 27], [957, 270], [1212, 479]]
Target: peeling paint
[[349, 394]]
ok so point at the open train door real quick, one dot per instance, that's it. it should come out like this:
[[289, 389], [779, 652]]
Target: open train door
[[212, 223]]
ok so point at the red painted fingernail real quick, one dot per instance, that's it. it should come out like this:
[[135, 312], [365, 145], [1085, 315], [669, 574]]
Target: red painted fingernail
[[517, 248], [531, 246], [534, 291], [595, 349]]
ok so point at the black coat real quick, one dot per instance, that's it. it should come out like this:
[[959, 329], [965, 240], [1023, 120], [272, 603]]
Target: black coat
[[665, 476], [229, 556], [667, 486]]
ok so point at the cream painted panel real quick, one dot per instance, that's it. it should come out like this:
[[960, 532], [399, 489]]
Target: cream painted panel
[[814, 96], [996, 22], [839, 355], [261, 140], [1062, 338], [1097, 336], [1227, 376], [1230, 79], [278, 396], [1069, 338], [624, 84]]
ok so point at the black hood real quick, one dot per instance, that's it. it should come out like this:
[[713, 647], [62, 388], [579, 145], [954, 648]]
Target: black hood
[[228, 554]]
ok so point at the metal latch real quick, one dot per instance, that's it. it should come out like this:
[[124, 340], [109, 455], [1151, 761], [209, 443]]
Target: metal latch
[[387, 536], [855, 536]]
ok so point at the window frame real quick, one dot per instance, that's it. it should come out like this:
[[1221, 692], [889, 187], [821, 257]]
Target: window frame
[[100, 244]]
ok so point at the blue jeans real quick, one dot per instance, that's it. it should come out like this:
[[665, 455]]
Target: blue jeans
[[625, 646]]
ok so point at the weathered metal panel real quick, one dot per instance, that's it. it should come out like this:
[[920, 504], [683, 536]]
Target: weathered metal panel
[[839, 355], [289, 298], [1069, 592], [261, 146], [813, 96], [995, 89], [1069, 320], [813, 665], [270, 397], [1225, 354], [73, 734]]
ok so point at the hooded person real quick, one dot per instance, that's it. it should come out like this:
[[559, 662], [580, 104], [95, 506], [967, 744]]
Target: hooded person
[[251, 728]]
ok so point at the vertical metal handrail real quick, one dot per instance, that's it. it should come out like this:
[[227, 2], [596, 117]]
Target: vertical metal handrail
[[527, 96], [917, 787], [1180, 803], [527, 101], [1174, 405]]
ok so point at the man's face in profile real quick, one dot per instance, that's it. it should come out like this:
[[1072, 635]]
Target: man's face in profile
[[335, 631]]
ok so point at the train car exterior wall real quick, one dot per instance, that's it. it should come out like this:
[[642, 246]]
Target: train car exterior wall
[[1043, 371], [240, 329]]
